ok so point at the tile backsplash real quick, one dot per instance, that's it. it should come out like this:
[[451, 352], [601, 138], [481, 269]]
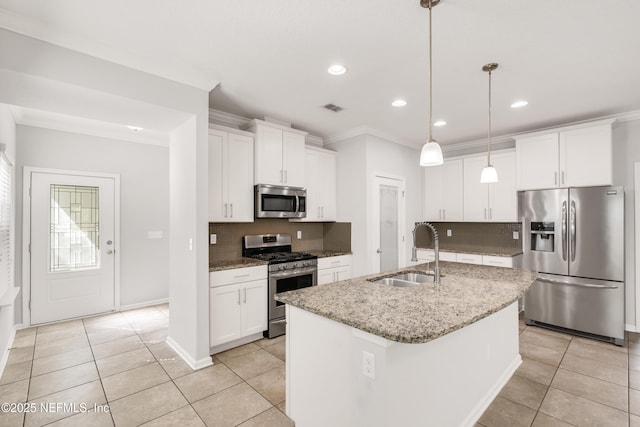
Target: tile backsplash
[[473, 235], [315, 236]]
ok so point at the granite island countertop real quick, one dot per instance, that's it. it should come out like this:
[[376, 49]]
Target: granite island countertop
[[416, 314]]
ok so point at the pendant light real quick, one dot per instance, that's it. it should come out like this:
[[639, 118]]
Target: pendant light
[[431, 154], [489, 173]]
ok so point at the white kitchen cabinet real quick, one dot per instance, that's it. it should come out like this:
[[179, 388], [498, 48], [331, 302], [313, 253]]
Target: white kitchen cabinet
[[279, 154], [230, 176], [576, 156], [443, 191], [469, 258], [334, 269], [237, 305], [320, 182], [497, 202]]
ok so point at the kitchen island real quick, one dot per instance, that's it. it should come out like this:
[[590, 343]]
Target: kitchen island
[[361, 353]]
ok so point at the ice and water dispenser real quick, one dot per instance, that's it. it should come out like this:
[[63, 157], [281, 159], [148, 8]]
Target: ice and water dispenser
[[543, 236]]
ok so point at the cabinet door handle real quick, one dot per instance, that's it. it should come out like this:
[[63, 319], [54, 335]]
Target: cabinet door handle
[[225, 210], [490, 213], [238, 296], [245, 295], [231, 204], [285, 176], [555, 178], [485, 213], [562, 179]]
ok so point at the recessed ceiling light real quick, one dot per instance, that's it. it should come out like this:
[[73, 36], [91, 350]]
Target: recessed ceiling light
[[337, 70], [519, 104], [399, 103], [135, 128], [439, 123]]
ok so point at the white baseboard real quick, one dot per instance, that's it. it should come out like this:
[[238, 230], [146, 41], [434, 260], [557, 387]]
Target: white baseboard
[[144, 304], [5, 353], [236, 343], [483, 404], [194, 364], [630, 328]]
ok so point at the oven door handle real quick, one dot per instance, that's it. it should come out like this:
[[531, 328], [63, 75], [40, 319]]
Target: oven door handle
[[294, 272]]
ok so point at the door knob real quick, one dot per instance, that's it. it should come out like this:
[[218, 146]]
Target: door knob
[[109, 251], [379, 251]]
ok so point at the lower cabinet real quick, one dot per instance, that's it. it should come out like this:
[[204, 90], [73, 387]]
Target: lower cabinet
[[427, 255], [334, 269], [237, 310]]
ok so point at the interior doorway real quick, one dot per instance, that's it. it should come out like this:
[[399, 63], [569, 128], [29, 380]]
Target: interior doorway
[[388, 223], [71, 232]]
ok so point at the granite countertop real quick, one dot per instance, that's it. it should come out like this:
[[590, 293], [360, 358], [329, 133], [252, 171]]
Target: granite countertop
[[480, 250], [230, 264], [416, 314], [328, 253]]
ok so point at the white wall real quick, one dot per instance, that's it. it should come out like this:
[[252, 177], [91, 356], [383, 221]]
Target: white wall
[[7, 316], [359, 159], [144, 200], [43, 76], [626, 151]]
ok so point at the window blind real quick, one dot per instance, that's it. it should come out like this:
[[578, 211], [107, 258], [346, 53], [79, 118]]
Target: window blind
[[6, 257]]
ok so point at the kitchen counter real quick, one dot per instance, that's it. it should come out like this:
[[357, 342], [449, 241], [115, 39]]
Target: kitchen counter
[[480, 250], [416, 314], [328, 253], [230, 264], [395, 356]]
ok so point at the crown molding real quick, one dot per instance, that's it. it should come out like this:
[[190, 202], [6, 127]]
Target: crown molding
[[367, 130], [227, 119], [65, 123], [185, 75]]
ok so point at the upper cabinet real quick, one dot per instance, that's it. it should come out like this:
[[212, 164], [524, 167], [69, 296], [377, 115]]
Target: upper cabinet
[[443, 191], [568, 157], [279, 154], [496, 202], [320, 182], [230, 175]]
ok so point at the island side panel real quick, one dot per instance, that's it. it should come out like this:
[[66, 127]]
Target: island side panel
[[452, 380], [447, 381]]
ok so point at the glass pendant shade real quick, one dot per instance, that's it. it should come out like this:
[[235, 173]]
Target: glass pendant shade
[[489, 175], [431, 154]]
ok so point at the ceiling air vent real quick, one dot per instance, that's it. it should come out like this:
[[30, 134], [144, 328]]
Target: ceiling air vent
[[333, 107]]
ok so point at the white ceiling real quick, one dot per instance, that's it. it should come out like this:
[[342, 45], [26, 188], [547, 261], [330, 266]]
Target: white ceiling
[[571, 59]]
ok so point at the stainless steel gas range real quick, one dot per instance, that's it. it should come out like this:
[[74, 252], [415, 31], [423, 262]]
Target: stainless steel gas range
[[287, 271]]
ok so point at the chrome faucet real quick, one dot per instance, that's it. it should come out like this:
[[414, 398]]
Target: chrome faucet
[[436, 247]]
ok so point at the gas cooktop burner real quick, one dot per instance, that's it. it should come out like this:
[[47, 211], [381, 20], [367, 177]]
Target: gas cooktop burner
[[279, 257]]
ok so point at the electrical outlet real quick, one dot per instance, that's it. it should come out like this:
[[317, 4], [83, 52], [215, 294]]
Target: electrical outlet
[[213, 239], [369, 365], [449, 233], [299, 234], [516, 235]]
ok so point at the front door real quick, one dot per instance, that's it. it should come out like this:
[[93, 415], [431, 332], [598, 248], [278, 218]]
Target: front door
[[72, 246]]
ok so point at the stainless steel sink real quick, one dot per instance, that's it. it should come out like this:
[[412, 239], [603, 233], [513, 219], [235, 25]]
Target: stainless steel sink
[[406, 280]]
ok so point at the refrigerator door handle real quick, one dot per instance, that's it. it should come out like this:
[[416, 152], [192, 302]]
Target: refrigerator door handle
[[580, 285], [572, 229], [564, 230]]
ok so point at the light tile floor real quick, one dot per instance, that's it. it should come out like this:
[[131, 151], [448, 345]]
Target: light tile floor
[[121, 361]]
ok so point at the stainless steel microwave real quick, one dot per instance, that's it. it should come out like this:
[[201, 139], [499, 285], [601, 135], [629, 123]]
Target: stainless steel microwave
[[276, 201]]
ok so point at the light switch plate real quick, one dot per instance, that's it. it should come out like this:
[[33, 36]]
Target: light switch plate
[[449, 233], [299, 234], [516, 235], [213, 239]]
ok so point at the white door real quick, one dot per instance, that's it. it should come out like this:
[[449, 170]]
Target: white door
[[72, 246], [388, 223]]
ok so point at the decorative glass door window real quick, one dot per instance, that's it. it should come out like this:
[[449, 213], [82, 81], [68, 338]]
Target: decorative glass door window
[[74, 242]]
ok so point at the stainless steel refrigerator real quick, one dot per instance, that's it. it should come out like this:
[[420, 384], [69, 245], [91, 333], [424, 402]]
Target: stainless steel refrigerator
[[574, 238]]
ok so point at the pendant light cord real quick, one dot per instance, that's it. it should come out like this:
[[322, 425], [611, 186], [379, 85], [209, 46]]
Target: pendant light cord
[[489, 134], [430, 78]]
